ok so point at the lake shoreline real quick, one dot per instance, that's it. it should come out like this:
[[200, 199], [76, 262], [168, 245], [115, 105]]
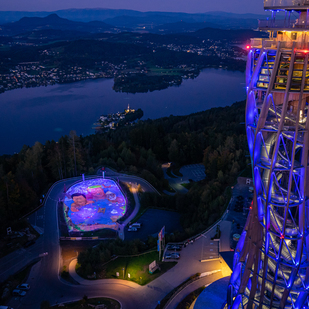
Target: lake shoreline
[[46, 113]]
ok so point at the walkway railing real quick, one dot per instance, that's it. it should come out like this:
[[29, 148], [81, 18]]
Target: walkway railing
[[280, 24]]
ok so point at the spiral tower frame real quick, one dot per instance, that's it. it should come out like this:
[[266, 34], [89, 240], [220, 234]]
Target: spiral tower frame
[[272, 256]]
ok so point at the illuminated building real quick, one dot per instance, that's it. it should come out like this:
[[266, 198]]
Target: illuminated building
[[128, 110], [272, 256]]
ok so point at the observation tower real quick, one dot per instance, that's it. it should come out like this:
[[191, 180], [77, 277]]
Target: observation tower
[[271, 261]]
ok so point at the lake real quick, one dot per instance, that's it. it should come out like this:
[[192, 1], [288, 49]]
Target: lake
[[45, 113]]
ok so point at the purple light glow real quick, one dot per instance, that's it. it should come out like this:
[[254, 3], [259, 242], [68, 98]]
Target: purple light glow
[[94, 204]]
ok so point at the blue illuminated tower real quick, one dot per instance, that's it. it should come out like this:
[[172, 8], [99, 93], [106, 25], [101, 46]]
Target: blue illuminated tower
[[271, 261]]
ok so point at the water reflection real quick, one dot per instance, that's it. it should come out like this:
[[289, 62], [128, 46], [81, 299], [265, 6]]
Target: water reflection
[[43, 113]]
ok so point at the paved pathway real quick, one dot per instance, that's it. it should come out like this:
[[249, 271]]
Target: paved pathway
[[15, 261], [158, 288], [174, 183], [121, 233], [188, 265], [192, 287], [44, 277]]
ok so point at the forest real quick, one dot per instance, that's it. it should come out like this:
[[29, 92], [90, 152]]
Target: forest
[[89, 53], [215, 137]]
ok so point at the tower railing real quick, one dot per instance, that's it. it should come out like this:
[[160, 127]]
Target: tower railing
[[279, 24], [286, 4], [273, 44]]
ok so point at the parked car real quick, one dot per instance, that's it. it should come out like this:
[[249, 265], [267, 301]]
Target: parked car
[[132, 229], [23, 286], [172, 255], [175, 255], [18, 293], [174, 247], [136, 224]]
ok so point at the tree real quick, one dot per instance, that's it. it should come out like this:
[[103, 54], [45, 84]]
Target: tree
[[45, 304], [221, 177], [55, 162], [121, 164], [76, 161], [173, 151]]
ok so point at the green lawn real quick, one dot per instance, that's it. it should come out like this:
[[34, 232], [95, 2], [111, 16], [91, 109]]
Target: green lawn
[[187, 185], [137, 267]]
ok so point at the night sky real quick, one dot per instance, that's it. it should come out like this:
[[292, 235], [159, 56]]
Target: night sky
[[188, 6]]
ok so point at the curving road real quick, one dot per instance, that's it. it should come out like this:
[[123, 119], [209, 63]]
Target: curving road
[[46, 284]]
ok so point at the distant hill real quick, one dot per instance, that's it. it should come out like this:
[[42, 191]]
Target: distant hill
[[52, 21], [46, 36], [151, 20], [131, 18]]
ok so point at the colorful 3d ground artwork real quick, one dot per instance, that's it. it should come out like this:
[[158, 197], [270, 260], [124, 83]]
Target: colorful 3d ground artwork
[[93, 204]]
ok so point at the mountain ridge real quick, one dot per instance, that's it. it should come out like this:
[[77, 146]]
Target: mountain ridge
[[52, 21], [99, 14]]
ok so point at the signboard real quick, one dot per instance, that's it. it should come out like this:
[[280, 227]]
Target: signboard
[[152, 265], [158, 245]]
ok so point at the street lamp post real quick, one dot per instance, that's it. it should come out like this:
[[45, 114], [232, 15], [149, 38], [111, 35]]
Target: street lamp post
[[123, 272]]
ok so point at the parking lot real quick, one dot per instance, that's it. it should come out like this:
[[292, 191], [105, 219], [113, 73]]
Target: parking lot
[[209, 248], [196, 172], [152, 222]]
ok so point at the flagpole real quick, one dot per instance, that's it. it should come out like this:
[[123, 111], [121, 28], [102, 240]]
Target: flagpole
[[164, 237]]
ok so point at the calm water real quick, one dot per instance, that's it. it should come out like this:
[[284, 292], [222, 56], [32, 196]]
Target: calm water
[[44, 113]]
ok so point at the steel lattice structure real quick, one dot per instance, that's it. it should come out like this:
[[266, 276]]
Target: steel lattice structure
[[272, 256]]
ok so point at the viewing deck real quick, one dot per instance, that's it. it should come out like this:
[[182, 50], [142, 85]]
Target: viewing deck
[[286, 4], [273, 44], [271, 24]]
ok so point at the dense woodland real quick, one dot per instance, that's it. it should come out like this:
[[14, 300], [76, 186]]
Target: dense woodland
[[215, 137], [89, 53]]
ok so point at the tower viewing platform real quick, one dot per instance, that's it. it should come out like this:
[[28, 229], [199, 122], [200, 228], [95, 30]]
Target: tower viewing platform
[[296, 16], [270, 267], [286, 5]]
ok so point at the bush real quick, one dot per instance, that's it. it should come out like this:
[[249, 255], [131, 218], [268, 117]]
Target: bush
[[45, 304]]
